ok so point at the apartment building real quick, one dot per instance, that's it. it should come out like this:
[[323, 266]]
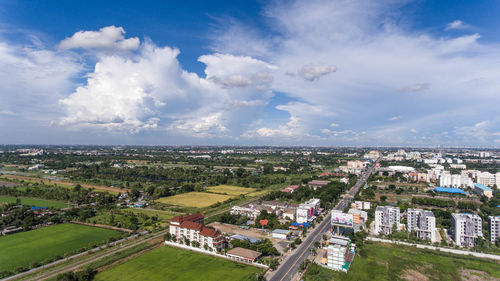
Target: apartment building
[[465, 229], [192, 227], [423, 223], [339, 254], [386, 218], [494, 226]]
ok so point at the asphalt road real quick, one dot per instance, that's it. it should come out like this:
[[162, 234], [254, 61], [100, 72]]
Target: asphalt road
[[290, 265]]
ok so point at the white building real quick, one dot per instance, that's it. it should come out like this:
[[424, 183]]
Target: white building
[[192, 228], [338, 250], [448, 180], [361, 205], [465, 229], [494, 225], [486, 178], [386, 218], [283, 234], [306, 210], [245, 211], [423, 223]]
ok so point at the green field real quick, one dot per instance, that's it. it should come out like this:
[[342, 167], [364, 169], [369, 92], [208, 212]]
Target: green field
[[34, 202], [230, 189], [163, 216], [167, 263], [194, 199], [390, 262], [23, 249]]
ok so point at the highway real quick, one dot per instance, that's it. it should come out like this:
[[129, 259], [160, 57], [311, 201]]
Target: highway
[[290, 265]]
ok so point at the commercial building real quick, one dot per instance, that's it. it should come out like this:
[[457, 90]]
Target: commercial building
[[494, 226], [483, 190], [242, 254], [307, 210], [283, 234], [423, 223], [386, 218], [452, 190], [192, 228], [339, 253], [358, 216], [465, 229]]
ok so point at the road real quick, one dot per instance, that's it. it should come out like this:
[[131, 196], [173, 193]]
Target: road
[[290, 265]]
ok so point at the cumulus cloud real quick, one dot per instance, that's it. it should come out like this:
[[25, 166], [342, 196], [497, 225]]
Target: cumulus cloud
[[313, 72], [457, 25], [109, 38], [394, 118]]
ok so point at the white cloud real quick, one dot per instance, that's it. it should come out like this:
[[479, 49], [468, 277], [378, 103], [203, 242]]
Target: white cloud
[[109, 38], [414, 88], [413, 131], [334, 125], [457, 25], [394, 118], [313, 72]]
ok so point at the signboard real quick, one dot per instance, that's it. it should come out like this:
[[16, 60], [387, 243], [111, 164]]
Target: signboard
[[342, 219]]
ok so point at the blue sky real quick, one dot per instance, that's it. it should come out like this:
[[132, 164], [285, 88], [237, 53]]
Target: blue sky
[[240, 72]]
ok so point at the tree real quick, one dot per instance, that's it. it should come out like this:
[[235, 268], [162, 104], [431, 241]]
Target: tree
[[383, 198]]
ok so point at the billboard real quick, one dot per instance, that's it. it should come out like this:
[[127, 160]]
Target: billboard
[[339, 218]]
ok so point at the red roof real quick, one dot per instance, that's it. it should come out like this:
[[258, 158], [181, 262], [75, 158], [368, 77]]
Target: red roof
[[290, 188], [191, 225], [263, 222], [191, 217], [208, 231]]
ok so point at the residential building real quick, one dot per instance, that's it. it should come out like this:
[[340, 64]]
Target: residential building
[[248, 211], [494, 226], [361, 205], [486, 178], [290, 189], [483, 190], [339, 255], [423, 223], [465, 229], [191, 227], [386, 218]]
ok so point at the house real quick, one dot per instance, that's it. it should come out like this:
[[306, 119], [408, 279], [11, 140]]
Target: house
[[191, 228], [242, 254], [283, 234], [290, 189], [314, 184]]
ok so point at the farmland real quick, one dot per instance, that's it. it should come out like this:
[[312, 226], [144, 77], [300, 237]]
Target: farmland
[[37, 246], [158, 265], [194, 199], [34, 202], [230, 189], [163, 216], [388, 262]]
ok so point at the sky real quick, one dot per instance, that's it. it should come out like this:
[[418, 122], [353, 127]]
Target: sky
[[326, 73]]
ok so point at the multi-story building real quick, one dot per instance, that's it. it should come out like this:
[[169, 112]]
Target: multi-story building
[[192, 228], [248, 211], [358, 216], [483, 190], [465, 229], [338, 252], [486, 178], [494, 225], [361, 205], [423, 223], [308, 209], [386, 218]]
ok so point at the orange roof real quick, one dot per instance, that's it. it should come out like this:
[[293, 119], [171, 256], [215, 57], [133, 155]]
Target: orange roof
[[191, 225], [209, 232], [263, 222]]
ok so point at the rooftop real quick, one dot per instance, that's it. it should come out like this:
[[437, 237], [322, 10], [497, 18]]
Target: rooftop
[[449, 190], [484, 188], [246, 253]]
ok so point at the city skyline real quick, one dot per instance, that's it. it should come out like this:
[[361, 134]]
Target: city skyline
[[326, 73]]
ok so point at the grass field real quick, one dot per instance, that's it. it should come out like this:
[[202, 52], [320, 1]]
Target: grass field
[[194, 199], [230, 189], [388, 262], [163, 216], [34, 202], [25, 248], [167, 263]]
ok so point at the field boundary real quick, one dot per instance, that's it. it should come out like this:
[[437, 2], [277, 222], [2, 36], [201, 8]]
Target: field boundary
[[185, 247], [103, 226]]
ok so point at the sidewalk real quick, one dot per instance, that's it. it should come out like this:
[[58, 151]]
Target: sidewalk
[[447, 250]]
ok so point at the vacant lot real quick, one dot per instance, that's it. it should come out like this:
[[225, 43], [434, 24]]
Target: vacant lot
[[66, 184], [34, 202], [194, 199], [167, 263], [388, 262], [230, 189], [25, 248]]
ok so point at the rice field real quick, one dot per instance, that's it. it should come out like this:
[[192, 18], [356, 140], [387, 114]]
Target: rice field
[[230, 189], [194, 199]]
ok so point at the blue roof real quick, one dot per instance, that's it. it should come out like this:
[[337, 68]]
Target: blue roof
[[281, 231], [449, 190], [245, 238], [34, 208], [484, 188], [304, 224]]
